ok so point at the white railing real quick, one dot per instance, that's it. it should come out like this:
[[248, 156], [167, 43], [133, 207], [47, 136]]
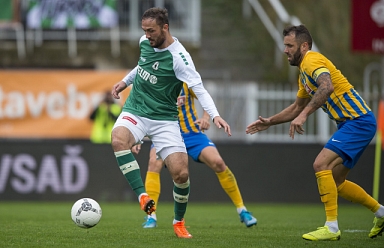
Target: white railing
[[266, 101], [240, 103]]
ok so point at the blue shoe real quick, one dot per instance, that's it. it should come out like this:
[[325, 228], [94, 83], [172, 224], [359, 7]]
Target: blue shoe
[[149, 223], [247, 218]]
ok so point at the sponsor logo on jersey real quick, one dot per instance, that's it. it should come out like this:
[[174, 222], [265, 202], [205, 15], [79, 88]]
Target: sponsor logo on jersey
[[146, 76], [143, 59], [153, 79]]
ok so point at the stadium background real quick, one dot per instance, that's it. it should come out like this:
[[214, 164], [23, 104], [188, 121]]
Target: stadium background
[[44, 150]]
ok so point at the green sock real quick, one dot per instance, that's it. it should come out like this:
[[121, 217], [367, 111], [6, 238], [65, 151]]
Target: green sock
[[131, 170], [180, 196]]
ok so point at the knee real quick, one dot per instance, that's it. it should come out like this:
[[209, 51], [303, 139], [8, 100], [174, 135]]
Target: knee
[[117, 143], [181, 177], [318, 166], [155, 165], [218, 165], [151, 164]]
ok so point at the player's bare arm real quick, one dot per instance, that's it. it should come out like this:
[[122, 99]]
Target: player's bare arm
[[221, 123], [285, 115], [258, 125], [117, 88], [301, 104], [204, 122], [323, 92]]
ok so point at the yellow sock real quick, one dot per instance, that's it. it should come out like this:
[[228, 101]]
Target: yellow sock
[[328, 193], [229, 184], [152, 185], [354, 193]]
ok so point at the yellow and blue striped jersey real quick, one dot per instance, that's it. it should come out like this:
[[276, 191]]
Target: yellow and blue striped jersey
[[187, 111], [345, 102]]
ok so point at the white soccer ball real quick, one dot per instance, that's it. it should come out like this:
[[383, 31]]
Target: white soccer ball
[[86, 213]]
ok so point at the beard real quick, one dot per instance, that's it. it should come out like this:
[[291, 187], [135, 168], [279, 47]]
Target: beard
[[159, 40], [296, 58]]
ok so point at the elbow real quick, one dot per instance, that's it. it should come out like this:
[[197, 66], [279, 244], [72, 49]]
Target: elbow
[[331, 89]]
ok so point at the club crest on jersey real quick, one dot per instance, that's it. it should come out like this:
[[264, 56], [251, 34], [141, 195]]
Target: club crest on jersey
[[308, 89], [180, 101]]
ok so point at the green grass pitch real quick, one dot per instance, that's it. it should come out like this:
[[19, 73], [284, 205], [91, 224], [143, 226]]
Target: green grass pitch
[[47, 224]]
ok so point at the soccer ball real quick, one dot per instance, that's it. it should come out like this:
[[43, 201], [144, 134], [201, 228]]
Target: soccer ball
[[86, 213]]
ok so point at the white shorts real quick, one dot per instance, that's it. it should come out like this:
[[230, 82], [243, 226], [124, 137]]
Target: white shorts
[[165, 135]]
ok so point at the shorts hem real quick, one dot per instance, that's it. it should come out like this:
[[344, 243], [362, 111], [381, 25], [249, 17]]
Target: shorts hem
[[341, 154]]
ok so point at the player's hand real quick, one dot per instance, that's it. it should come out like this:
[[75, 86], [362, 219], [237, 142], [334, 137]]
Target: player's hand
[[297, 126], [259, 125], [136, 148], [203, 123], [117, 88], [221, 123]]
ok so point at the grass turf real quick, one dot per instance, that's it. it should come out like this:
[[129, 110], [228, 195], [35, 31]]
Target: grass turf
[[47, 224]]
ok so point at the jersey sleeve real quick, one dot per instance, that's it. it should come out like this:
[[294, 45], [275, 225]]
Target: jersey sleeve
[[192, 93], [301, 93], [128, 79], [205, 100], [185, 70], [142, 38], [314, 65]]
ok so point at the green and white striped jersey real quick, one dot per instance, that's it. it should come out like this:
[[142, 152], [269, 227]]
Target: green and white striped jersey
[[158, 79]]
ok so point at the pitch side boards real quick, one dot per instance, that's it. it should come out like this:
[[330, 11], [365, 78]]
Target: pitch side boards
[[52, 104], [60, 170]]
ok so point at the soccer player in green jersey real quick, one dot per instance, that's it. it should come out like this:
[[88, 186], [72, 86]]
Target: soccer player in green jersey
[[321, 85], [151, 110]]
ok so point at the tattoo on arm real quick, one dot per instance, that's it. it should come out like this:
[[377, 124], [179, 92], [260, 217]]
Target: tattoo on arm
[[324, 90]]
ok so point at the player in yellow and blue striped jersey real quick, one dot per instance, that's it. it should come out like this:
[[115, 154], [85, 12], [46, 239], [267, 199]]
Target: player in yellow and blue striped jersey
[[321, 85], [201, 149]]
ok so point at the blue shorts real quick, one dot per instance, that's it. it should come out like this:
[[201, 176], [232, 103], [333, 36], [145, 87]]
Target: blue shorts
[[352, 137], [195, 143]]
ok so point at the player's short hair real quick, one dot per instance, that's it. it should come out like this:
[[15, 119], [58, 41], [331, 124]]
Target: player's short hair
[[159, 14], [301, 34]]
